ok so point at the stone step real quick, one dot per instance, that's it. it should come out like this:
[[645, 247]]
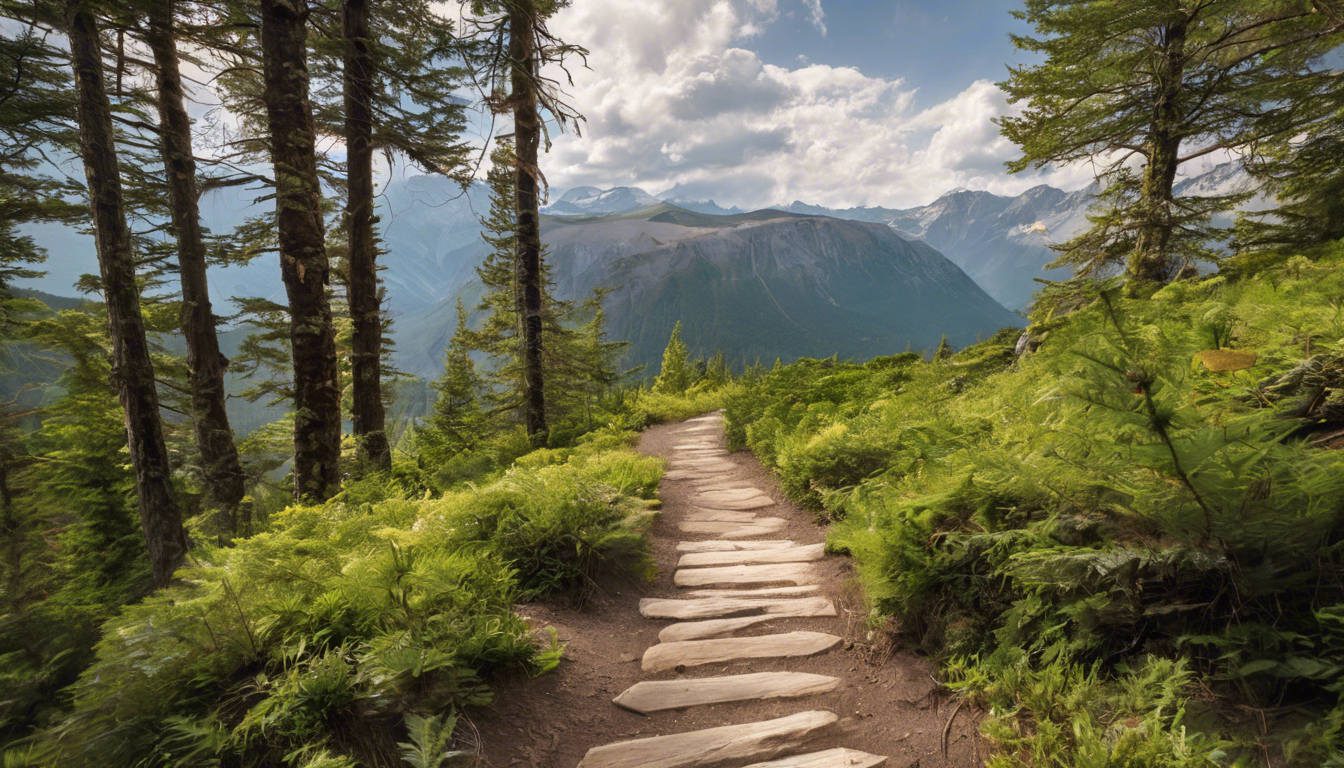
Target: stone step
[[704, 465], [763, 526], [736, 494], [688, 474], [694, 653], [804, 554], [742, 575], [731, 546], [719, 516], [725, 607], [723, 746], [648, 697], [715, 485], [767, 592], [699, 630], [831, 758], [756, 502]]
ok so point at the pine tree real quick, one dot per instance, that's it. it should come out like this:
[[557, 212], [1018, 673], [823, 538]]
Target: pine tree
[[677, 374], [304, 263], [223, 472], [1168, 81], [397, 79], [717, 372], [1306, 173], [456, 422], [515, 48], [368, 417], [132, 367], [944, 350]]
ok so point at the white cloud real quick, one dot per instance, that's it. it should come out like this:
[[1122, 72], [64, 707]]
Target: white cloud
[[816, 14], [675, 98]]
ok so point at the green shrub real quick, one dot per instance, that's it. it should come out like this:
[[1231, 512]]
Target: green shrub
[[322, 640], [1104, 499]]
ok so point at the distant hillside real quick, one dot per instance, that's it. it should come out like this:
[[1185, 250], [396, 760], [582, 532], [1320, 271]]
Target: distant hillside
[[1003, 243], [762, 285]]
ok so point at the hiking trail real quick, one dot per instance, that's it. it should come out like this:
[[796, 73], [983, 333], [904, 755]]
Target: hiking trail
[[750, 650]]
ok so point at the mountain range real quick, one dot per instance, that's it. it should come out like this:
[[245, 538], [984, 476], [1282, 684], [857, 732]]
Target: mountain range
[[791, 280], [1002, 242]]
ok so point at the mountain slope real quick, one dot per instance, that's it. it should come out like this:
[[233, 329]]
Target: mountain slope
[[796, 287], [762, 285]]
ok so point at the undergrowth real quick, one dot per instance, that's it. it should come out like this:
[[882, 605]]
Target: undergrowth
[[353, 633], [1133, 556]]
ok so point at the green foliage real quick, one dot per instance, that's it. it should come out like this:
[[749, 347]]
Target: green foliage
[[675, 376], [1045, 523], [325, 639], [1168, 82]]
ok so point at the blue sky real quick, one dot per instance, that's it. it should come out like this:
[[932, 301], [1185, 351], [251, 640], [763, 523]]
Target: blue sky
[[754, 102], [938, 47]]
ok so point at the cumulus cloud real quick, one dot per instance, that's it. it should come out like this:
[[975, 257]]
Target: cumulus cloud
[[676, 99]]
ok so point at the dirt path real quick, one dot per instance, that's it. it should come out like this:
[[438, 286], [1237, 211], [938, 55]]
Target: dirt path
[[886, 704]]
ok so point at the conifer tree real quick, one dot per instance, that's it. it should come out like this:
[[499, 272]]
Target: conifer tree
[[717, 372], [397, 80], [457, 421], [132, 367], [304, 264], [944, 350], [579, 360], [676, 374], [1167, 81], [516, 45], [223, 472], [368, 417], [1306, 174]]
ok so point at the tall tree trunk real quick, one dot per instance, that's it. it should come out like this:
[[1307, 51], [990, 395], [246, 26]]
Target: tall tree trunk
[[367, 413], [303, 252], [214, 436], [527, 136], [1151, 261], [132, 368]]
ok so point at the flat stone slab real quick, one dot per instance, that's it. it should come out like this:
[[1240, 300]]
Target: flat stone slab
[[705, 465], [695, 653], [753, 503], [736, 494], [726, 745], [699, 630], [805, 554], [831, 758], [727, 607], [764, 592], [648, 697], [740, 575], [694, 461], [698, 446], [719, 516], [761, 526], [731, 546], [713, 484], [692, 474]]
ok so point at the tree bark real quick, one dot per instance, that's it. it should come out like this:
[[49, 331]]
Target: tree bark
[[1151, 261], [367, 413], [304, 266], [214, 437], [527, 138], [132, 368]]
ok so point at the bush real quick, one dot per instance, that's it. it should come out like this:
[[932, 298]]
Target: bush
[[319, 641], [1106, 502]]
